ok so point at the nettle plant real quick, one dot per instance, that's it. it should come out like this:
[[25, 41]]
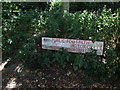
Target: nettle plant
[[22, 32]]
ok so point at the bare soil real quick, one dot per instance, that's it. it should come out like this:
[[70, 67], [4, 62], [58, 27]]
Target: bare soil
[[14, 75]]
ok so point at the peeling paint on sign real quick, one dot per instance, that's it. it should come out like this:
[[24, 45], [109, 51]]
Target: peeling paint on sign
[[72, 45]]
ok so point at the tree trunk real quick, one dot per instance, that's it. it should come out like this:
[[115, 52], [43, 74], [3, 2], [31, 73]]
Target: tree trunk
[[65, 6]]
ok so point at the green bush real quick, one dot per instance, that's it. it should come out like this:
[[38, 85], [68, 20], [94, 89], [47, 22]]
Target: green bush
[[20, 33]]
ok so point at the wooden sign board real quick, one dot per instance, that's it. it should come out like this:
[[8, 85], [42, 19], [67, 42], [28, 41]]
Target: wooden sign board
[[72, 45]]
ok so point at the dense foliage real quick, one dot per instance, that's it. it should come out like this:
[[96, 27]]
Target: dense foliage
[[92, 6], [22, 31]]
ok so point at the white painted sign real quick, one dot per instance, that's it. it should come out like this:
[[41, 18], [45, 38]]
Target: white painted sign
[[72, 45]]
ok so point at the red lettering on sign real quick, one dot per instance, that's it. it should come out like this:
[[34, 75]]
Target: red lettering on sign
[[72, 45]]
